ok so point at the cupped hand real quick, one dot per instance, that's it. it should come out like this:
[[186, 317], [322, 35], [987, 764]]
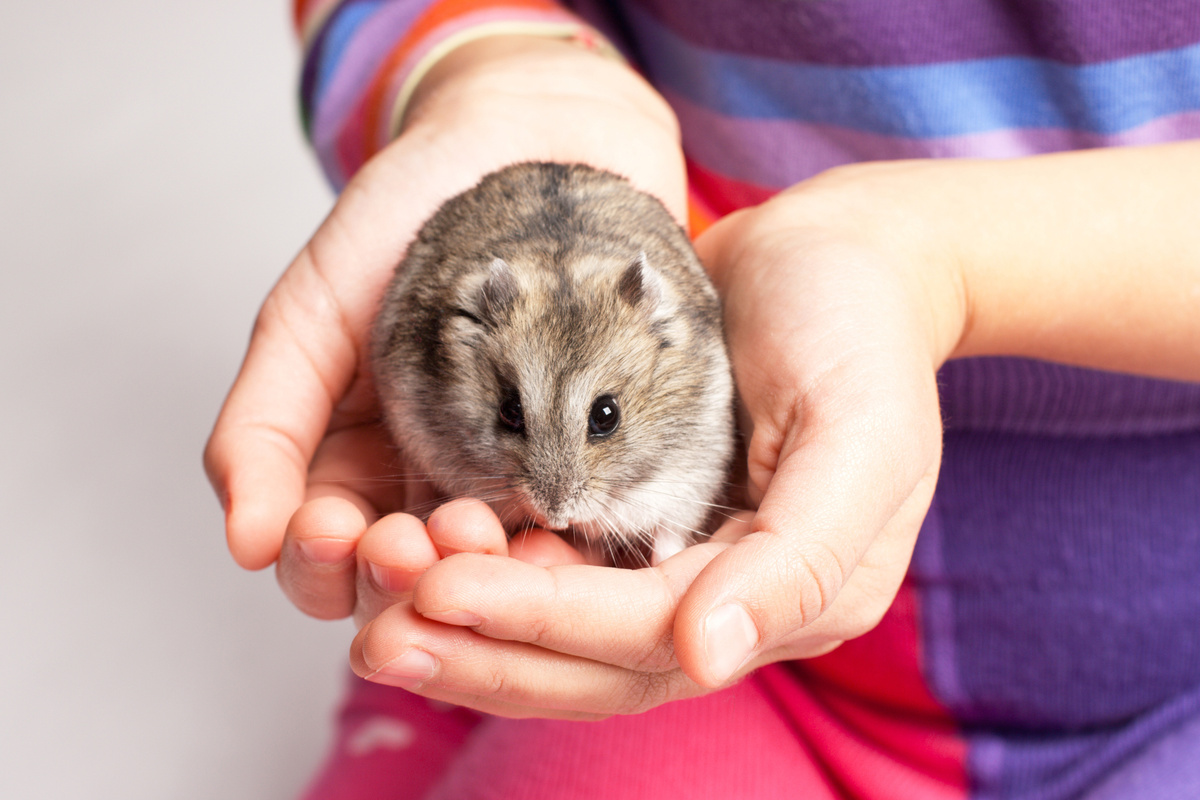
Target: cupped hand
[[554, 636], [839, 308], [841, 304], [296, 457]]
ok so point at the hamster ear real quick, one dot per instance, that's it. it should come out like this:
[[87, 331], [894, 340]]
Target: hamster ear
[[497, 292], [642, 287]]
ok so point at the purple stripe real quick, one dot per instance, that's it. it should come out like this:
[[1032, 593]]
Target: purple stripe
[[1017, 395], [891, 33], [308, 73], [779, 153], [985, 764], [1072, 565], [533, 17], [1154, 755], [927, 570], [371, 44]]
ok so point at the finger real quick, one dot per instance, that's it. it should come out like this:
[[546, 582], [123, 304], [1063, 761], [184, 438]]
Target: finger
[[467, 525], [316, 567], [737, 526], [617, 616], [392, 554], [300, 360], [543, 548], [402, 648], [307, 345], [398, 549], [497, 708], [867, 595], [486, 705], [836, 486]]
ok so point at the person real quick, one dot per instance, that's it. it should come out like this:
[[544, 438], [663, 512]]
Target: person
[[956, 242]]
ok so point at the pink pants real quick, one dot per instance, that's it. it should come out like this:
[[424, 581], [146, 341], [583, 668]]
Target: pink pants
[[856, 723]]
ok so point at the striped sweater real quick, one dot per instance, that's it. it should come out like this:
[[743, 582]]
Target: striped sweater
[[789, 88], [1052, 612]]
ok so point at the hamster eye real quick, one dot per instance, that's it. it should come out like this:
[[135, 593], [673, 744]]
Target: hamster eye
[[512, 416], [462, 312], [605, 416]]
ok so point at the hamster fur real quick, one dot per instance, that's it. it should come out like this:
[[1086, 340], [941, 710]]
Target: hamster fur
[[551, 345]]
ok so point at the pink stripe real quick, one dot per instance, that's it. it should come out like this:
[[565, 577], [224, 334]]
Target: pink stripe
[[779, 153], [346, 156], [457, 25]]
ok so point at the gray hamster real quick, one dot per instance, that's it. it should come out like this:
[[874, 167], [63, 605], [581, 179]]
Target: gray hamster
[[551, 345]]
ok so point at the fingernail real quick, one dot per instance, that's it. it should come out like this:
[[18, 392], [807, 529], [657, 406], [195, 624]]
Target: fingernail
[[409, 670], [325, 551], [385, 578], [729, 639], [463, 619]]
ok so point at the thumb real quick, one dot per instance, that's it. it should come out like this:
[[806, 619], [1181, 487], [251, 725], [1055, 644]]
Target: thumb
[[296, 368], [837, 485]]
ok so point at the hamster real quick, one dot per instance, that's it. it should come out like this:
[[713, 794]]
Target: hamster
[[551, 345]]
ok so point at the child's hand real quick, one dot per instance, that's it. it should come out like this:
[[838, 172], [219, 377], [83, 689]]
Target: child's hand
[[397, 549], [298, 425], [836, 328], [843, 296]]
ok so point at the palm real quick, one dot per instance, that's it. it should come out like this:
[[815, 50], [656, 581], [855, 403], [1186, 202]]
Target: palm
[[299, 425]]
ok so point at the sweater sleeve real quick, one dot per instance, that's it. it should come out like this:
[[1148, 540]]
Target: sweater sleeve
[[363, 58]]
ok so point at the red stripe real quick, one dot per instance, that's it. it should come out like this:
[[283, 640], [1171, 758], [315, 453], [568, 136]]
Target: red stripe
[[869, 717], [724, 195]]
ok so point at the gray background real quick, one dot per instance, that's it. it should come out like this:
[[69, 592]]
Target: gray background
[[153, 185]]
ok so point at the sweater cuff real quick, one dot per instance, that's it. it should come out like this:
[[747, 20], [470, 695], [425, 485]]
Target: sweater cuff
[[364, 59], [436, 49]]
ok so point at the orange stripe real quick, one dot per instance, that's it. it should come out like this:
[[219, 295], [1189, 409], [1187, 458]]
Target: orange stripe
[[435, 16], [700, 215]]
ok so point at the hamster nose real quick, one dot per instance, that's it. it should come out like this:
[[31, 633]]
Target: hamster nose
[[550, 501], [540, 520]]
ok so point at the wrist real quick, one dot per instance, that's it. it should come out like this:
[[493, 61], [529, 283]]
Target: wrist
[[511, 59], [543, 98], [496, 71], [1085, 258], [890, 215]]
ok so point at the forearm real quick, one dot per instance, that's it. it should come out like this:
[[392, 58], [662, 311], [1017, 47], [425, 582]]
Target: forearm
[[1089, 258]]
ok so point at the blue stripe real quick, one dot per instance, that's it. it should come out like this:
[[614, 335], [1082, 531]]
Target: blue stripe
[[926, 101], [338, 36]]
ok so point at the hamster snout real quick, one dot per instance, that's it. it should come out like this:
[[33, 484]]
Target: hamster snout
[[552, 346]]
